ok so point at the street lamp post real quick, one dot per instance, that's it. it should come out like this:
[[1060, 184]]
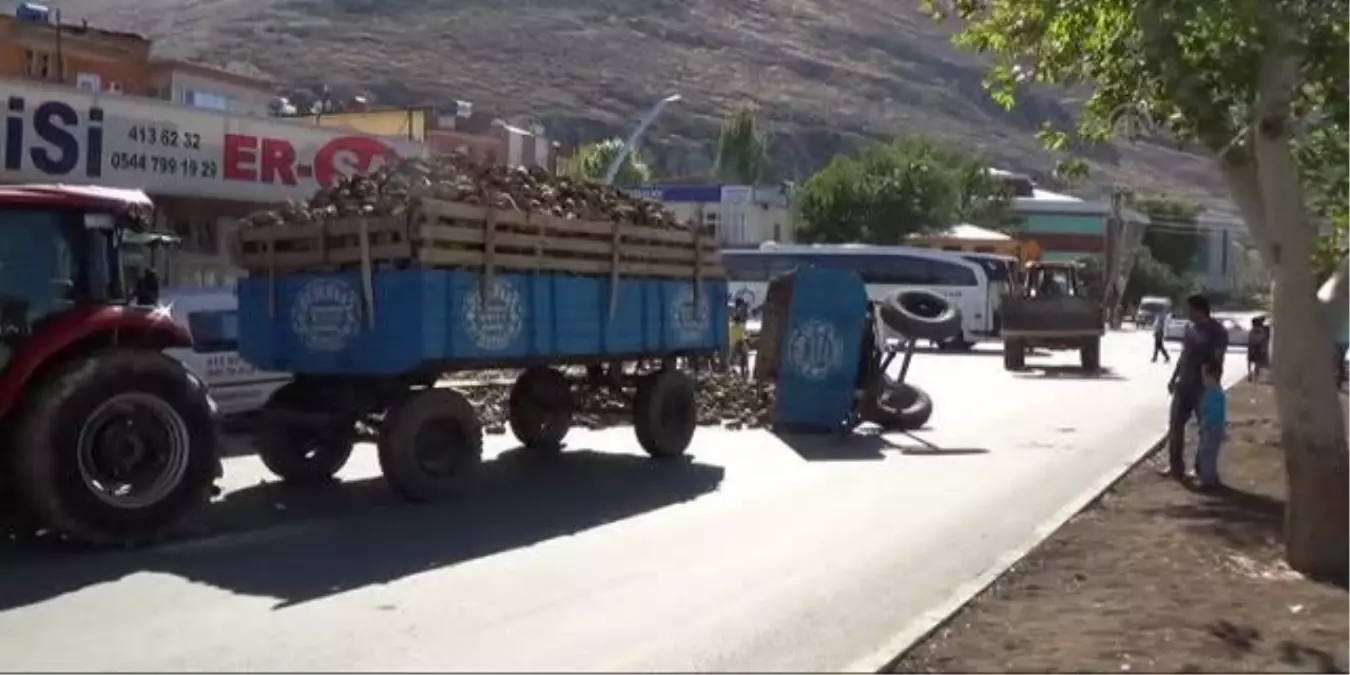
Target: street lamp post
[[633, 138]]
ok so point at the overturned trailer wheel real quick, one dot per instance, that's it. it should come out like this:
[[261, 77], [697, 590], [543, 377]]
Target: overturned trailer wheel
[[540, 409], [665, 413], [430, 445]]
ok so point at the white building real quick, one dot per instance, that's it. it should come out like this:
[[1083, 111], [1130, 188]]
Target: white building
[[741, 215], [217, 89]]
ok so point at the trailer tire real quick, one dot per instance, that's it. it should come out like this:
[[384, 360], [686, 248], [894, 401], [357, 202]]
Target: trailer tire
[[299, 454], [540, 409], [921, 314], [1014, 354], [1090, 355], [900, 407], [109, 416], [665, 413], [430, 445]]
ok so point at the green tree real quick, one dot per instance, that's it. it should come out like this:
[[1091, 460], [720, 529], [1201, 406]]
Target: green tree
[[1263, 86], [1152, 277], [741, 148], [592, 160], [1172, 236], [893, 190]]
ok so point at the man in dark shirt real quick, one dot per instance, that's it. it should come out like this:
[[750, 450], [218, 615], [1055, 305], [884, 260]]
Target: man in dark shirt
[[1206, 341]]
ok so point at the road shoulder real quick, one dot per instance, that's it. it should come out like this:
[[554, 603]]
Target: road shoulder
[[1155, 578]]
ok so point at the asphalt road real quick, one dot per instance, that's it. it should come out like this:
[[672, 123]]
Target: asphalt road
[[759, 554]]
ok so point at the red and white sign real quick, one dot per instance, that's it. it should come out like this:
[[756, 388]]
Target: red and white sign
[[54, 134]]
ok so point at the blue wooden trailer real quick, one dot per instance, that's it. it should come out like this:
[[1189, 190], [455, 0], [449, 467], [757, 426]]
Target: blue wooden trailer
[[369, 313]]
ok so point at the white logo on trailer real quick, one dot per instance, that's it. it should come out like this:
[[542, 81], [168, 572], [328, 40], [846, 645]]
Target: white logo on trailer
[[815, 350], [689, 315], [326, 314], [495, 317]]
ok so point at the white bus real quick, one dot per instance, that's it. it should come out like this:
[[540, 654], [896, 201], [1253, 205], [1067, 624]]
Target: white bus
[[884, 270]]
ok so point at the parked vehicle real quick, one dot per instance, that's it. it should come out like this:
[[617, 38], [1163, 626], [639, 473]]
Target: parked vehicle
[[884, 270], [211, 316], [105, 438], [1150, 307]]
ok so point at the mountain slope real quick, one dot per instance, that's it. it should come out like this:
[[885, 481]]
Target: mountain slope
[[827, 74]]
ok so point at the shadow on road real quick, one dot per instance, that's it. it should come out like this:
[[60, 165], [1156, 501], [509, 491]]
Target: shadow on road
[[864, 446], [1066, 373], [996, 351], [517, 501]]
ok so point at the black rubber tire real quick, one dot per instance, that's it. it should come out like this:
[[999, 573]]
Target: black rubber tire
[[45, 464], [665, 413], [459, 435], [1014, 354], [901, 407], [1090, 355], [299, 454], [921, 314], [540, 409]]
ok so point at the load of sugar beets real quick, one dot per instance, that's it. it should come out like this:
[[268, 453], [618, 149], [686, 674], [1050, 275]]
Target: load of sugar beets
[[398, 187], [724, 399]]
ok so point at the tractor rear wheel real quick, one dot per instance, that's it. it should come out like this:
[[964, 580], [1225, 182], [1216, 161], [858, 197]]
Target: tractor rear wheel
[[116, 447]]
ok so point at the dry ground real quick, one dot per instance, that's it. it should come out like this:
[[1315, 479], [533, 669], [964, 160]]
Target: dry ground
[[1156, 578]]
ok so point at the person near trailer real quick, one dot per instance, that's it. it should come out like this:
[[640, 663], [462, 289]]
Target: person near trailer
[[1159, 332], [1206, 342]]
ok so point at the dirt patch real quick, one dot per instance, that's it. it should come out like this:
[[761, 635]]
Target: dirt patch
[[1156, 578]]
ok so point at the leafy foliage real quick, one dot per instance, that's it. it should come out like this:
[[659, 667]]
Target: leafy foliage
[[592, 160], [1172, 237], [897, 189], [1151, 276], [741, 148]]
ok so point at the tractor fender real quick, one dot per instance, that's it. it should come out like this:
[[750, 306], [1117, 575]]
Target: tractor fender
[[83, 329]]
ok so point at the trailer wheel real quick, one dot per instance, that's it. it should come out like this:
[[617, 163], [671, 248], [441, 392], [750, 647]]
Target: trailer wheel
[[901, 407], [430, 444], [665, 413], [1014, 354], [921, 314], [1090, 355], [540, 409], [117, 447], [301, 454]]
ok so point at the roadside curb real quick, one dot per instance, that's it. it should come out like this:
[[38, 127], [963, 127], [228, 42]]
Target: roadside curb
[[929, 622], [934, 619]]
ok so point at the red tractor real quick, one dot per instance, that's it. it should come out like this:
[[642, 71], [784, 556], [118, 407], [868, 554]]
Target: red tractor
[[103, 438]]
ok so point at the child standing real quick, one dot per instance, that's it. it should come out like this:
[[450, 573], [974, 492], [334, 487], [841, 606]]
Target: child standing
[[1213, 414]]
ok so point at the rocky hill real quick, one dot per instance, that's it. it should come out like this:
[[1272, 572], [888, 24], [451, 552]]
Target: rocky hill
[[827, 74]]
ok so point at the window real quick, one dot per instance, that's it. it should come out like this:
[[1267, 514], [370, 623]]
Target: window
[[40, 65], [206, 99], [948, 274], [88, 82], [214, 330], [37, 269]]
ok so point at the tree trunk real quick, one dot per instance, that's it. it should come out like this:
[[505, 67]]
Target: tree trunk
[[1313, 425]]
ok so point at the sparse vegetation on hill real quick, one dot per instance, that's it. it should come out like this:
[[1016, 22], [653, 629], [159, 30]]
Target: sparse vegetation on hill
[[824, 75]]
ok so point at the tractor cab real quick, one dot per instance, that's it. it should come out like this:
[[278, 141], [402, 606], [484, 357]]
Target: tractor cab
[[61, 247], [1053, 280]]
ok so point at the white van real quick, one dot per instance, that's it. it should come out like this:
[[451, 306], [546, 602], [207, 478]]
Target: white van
[[211, 314]]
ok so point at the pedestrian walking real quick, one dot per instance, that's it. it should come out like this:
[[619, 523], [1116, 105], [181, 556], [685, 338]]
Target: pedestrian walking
[[1213, 416], [1206, 342], [1159, 328], [1258, 348]]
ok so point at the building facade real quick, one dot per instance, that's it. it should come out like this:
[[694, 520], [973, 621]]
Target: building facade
[[38, 49], [200, 86], [741, 215]]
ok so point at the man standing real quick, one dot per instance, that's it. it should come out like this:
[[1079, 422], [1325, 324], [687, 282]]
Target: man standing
[[1159, 325], [1206, 342]]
